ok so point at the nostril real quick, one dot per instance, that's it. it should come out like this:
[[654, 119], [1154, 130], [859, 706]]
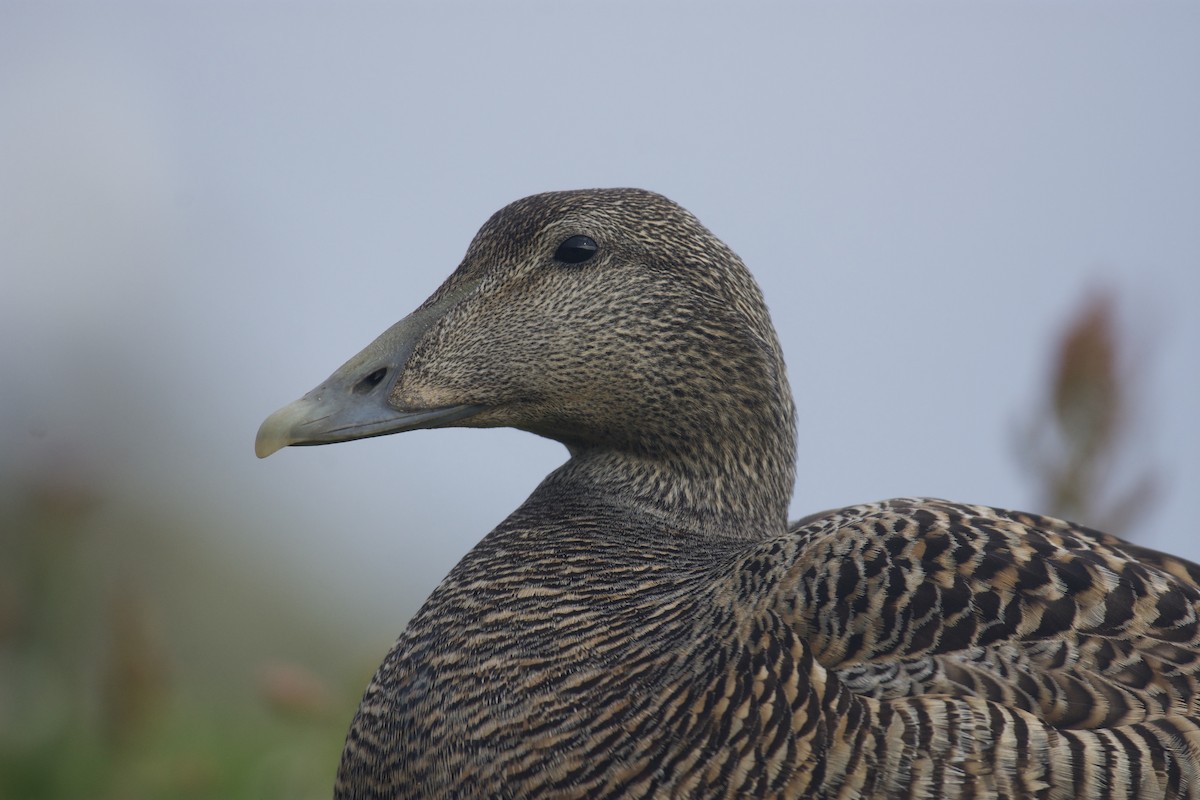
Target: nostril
[[371, 381]]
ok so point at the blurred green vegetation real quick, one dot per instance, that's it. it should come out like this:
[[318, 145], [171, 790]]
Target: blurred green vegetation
[[140, 660]]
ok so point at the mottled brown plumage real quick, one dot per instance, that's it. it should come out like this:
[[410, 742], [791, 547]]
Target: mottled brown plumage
[[647, 624]]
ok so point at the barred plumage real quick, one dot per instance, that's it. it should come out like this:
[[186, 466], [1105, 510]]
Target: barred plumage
[[647, 623]]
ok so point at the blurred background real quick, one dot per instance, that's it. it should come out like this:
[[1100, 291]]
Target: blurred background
[[977, 226]]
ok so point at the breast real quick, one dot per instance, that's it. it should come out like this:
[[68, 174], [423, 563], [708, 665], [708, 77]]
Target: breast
[[563, 676]]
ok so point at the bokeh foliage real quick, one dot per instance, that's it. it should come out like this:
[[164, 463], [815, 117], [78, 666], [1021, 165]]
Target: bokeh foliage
[[1079, 447], [135, 662]]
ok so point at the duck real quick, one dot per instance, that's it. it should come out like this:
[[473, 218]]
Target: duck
[[648, 623]]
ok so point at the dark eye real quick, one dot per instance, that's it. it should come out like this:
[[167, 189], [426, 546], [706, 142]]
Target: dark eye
[[575, 250]]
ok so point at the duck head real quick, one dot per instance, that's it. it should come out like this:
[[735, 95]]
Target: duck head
[[609, 320]]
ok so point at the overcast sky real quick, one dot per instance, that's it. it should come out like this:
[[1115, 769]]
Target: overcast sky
[[205, 208]]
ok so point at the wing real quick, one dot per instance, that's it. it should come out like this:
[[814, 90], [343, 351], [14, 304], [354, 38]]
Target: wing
[[917, 597]]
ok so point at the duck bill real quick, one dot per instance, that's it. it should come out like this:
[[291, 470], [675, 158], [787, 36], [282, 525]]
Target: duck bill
[[353, 402]]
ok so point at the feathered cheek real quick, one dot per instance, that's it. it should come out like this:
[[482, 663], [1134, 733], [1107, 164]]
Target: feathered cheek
[[412, 394]]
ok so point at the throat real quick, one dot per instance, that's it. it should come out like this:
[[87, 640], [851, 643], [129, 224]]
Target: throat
[[740, 496]]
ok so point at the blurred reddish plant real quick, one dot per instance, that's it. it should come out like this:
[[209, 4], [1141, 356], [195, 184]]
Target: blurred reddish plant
[[294, 691], [1076, 447]]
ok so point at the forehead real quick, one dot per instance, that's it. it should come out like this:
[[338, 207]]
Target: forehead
[[612, 214]]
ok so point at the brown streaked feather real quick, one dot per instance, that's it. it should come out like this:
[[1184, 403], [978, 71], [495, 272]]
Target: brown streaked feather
[[922, 596]]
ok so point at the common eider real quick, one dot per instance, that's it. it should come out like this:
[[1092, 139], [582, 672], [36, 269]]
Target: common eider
[[648, 624]]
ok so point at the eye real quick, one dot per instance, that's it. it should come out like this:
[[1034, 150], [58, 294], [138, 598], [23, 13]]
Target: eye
[[371, 381], [575, 250]]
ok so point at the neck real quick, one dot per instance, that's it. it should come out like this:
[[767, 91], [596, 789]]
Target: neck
[[709, 446], [733, 480]]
